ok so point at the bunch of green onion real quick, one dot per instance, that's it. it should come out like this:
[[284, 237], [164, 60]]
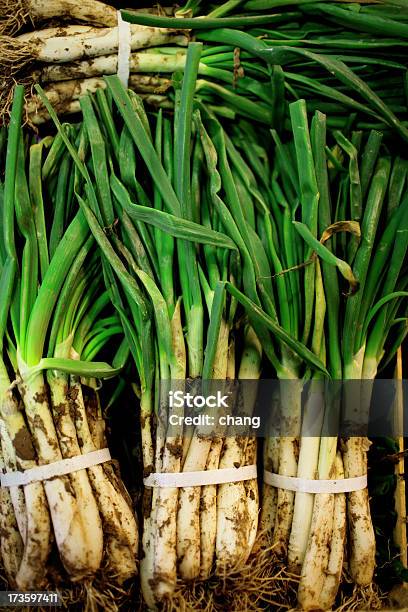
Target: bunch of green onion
[[160, 283], [335, 200], [346, 60], [54, 321]]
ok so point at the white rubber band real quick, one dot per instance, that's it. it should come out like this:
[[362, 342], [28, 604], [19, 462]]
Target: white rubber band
[[124, 50], [199, 479], [58, 468], [305, 485]]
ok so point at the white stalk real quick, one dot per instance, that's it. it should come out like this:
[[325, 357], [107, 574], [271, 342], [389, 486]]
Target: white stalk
[[225, 369], [11, 543], [269, 493], [208, 513], [291, 390], [63, 49], [231, 367], [14, 14], [153, 461], [163, 579], [63, 93], [232, 511], [316, 558], [250, 369], [37, 541], [89, 11], [360, 530], [69, 530], [30, 504], [336, 546], [188, 518], [188, 523], [252, 497], [8, 452], [108, 64], [164, 563], [39, 116], [146, 432], [94, 418], [307, 468], [65, 30], [147, 561], [119, 524], [236, 514], [322, 528], [271, 464], [149, 502], [79, 481], [187, 437]]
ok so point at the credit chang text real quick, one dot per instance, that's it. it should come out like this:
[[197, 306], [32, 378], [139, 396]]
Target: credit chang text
[[206, 420]]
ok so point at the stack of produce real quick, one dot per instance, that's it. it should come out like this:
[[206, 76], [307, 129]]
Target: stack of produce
[[352, 330], [314, 53], [55, 320], [18, 14], [77, 32], [310, 52], [218, 251]]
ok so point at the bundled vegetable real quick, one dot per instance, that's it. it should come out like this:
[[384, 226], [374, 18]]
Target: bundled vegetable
[[22, 57], [16, 14], [65, 95], [89, 43], [51, 324], [317, 57], [321, 60], [325, 187], [187, 530]]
